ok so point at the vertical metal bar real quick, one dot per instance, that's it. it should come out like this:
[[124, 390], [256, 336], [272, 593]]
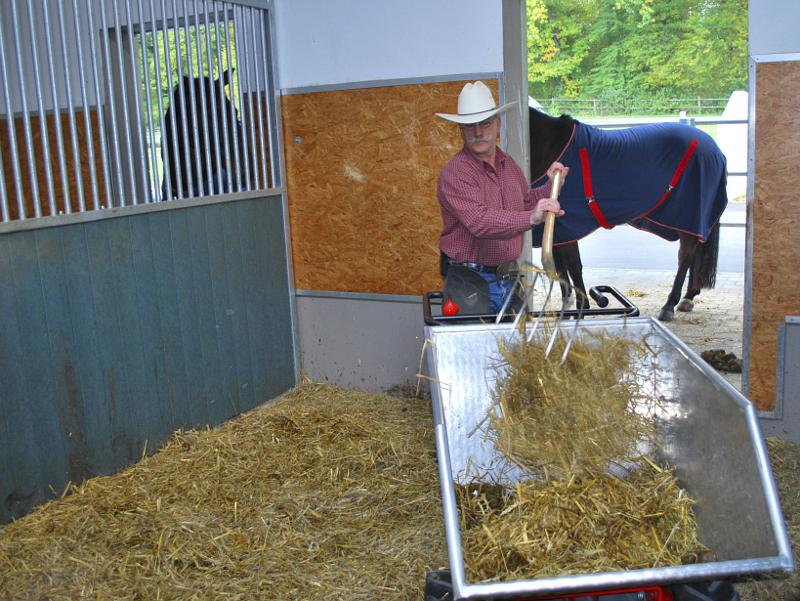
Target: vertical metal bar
[[261, 134], [62, 163], [241, 61], [151, 174], [266, 61], [5, 214], [234, 121], [87, 124], [168, 60], [221, 116], [251, 96], [194, 187], [37, 210], [76, 156], [204, 182], [125, 112], [210, 89], [109, 88], [124, 126], [48, 175], [12, 133], [137, 109]]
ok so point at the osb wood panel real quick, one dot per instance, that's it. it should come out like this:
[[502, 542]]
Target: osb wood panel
[[84, 168], [361, 171], [776, 221]]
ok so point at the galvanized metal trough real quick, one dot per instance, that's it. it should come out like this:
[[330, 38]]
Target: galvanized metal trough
[[708, 432]]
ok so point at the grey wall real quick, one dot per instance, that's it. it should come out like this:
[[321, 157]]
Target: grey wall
[[120, 331], [362, 342]]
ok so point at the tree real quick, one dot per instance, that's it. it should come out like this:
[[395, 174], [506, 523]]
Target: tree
[[637, 48]]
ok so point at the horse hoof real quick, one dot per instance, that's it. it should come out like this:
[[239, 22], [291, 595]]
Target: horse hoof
[[685, 305], [666, 315]]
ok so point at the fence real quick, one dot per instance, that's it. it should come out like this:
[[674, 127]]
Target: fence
[[88, 88], [602, 107]]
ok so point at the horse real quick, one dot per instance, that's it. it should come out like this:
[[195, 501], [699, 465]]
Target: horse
[[192, 159], [668, 179]]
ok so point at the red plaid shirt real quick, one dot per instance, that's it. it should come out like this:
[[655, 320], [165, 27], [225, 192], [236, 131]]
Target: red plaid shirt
[[485, 210]]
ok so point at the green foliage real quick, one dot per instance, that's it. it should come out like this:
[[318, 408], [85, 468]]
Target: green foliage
[[645, 49], [212, 43]]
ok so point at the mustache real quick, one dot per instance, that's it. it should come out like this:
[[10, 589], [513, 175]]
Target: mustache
[[473, 139]]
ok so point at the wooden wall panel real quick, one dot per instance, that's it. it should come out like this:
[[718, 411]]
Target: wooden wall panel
[[776, 221], [84, 168], [361, 177]]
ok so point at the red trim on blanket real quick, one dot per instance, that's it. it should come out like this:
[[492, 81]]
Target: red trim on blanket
[[587, 190]]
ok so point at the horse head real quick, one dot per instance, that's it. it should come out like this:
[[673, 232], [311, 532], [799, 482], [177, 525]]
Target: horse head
[[200, 105], [549, 137]]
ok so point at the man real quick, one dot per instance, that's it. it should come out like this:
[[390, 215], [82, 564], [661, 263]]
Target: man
[[487, 204]]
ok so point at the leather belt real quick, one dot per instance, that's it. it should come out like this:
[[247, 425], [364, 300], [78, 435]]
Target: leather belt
[[477, 267]]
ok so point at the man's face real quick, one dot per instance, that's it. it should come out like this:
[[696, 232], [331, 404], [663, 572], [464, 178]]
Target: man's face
[[480, 137]]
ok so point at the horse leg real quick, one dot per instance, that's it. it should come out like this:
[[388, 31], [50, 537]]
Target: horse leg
[[575, 269], [562, 270], [693, 287], [688, 245]]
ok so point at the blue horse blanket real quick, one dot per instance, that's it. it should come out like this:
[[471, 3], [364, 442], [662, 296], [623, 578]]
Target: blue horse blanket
[[630, 174]]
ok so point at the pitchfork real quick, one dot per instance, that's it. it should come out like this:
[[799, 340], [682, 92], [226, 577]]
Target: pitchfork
[[549, 278]]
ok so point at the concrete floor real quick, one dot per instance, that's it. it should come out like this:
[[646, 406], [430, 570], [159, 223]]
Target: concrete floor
[[715, 322]]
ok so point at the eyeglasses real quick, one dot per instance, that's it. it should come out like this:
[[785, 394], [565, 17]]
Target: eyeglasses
[[479, 125]]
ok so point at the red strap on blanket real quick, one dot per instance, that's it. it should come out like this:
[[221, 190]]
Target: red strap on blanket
[[587, 190], [677, 175]]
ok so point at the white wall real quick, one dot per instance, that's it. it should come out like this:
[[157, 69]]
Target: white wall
[[774, 26], [338, 41]]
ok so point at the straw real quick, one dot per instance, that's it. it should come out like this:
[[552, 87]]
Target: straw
[[325, 494]]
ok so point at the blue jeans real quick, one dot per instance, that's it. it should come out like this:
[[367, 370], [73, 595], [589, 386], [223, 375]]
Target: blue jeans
[[499, 289]]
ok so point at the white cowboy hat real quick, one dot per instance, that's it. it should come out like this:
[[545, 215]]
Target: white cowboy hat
[[475, 104]]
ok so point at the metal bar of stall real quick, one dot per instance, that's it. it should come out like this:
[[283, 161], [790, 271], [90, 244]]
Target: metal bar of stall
[[236, 172], [261, 133], [221, 106], [126, 124], [251, 103], [153, 179], [265, 62], [34, 184], [137, 111], [168, 64], [87, 122], [202, 181], [5, 214], [109, 88], [193, 186], [101, 120], [213, 97], [45, 138], [73, 130], [241, 59], [228, 121], [16, 169]]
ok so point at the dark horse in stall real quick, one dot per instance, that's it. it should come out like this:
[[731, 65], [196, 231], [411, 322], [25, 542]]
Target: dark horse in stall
[[666, 178], [196, 162]]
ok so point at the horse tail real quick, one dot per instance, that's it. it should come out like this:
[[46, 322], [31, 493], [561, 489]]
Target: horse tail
[[706, 262]]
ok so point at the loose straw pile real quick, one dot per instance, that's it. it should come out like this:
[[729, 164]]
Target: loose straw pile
[[566, 425], [560, 419], [325, 494]]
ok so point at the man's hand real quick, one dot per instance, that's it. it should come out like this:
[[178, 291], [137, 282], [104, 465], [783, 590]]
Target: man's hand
[[556, 166], [542, 207], [549, 204]]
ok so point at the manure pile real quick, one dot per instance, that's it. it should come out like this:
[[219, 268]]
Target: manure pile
[[595, 499], [324, 494]]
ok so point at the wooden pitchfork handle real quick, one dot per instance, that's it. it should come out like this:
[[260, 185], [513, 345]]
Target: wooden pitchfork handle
[[549, 221]]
